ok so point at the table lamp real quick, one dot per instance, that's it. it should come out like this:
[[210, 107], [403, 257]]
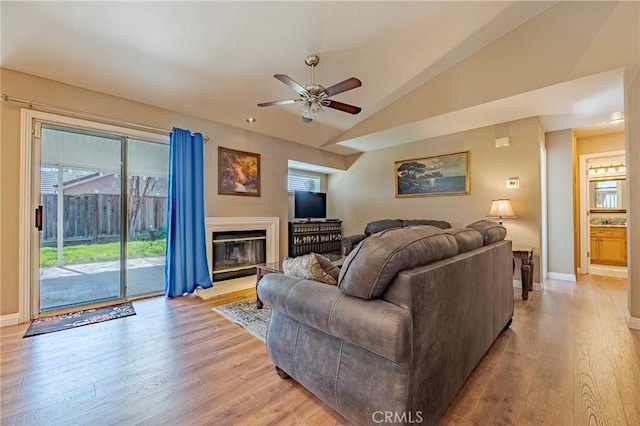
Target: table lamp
[[501, 209]]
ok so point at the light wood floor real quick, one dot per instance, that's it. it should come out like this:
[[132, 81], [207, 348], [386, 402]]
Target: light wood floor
[[568, 359]]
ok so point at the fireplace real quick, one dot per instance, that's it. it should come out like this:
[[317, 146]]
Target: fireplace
[[236, 253], [248, 233]]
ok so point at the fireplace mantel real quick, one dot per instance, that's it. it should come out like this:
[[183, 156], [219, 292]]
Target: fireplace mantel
[[269, 224]]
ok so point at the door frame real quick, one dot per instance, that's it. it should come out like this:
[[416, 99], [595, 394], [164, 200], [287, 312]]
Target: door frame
[[584, 207], [27, 237]]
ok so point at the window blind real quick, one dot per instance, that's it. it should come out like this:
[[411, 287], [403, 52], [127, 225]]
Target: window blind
[[302, 182]]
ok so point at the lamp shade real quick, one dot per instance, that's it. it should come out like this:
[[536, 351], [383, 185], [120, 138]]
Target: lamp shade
[[501, 209]]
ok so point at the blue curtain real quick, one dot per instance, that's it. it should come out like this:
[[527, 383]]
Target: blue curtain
[[186, 266]]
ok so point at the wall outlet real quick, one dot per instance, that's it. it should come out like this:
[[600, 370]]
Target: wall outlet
[[513, 183]]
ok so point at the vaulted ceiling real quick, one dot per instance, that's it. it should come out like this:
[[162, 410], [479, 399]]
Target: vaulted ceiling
[[216, 60]]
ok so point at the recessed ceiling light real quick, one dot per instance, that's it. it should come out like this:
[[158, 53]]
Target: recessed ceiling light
[[251, 120], [616, 117]]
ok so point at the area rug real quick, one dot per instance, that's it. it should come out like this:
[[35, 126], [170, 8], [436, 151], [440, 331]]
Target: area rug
[[245, 313], [78, 319]]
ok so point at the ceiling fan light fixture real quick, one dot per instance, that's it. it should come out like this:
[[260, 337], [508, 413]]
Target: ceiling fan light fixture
[[316, 109], [305, 110], [311, 109]]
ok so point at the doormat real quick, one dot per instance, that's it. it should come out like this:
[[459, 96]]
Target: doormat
[[245, 313], [78, 319]]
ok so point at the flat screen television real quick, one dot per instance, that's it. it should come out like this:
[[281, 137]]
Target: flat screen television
[[309, 205]]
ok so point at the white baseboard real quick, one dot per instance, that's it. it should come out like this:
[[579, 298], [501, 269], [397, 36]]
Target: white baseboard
[[632, 322], [10, 319], [608, 271], [536, 286], [561, 276]]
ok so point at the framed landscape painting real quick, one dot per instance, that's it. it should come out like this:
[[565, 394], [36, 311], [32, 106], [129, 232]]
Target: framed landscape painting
[[238, 172], [440, 175]]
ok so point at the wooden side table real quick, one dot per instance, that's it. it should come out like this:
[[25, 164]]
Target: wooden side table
[[525, 254], [263, 269]]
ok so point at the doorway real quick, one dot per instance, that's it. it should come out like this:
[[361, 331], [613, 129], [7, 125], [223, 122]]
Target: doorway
[[603, 214], [100, 202]]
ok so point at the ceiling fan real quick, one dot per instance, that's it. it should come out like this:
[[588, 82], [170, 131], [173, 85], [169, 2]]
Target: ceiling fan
[[315, 96]]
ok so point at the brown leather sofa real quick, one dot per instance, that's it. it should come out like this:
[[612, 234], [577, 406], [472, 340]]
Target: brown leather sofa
[[349, 242], [414, 311]]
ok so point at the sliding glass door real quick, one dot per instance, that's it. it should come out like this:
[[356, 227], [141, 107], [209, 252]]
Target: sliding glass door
[[147, 189], [102, 236], [81, 237]]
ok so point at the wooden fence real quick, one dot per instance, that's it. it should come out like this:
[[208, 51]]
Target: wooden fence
[[96, 218]]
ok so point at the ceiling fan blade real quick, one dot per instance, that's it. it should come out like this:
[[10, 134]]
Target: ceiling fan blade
[[282, 102], [291, 83], [343, 86], [341, 106]]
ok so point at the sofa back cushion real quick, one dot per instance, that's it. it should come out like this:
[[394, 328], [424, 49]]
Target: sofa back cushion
[[374, 263], [468, 239], [437, 223], [381, 225], [491, 231]]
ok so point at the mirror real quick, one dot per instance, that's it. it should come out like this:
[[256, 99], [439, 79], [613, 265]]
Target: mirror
[[607, 195]]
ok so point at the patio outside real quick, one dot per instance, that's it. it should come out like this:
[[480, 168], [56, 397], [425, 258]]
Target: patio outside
[[86, 266], [89, 282]]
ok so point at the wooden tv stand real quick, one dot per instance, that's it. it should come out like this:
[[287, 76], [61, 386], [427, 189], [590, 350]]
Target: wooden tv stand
[[314, 235]]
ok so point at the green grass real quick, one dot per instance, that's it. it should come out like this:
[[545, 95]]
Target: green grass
[[89, 253]]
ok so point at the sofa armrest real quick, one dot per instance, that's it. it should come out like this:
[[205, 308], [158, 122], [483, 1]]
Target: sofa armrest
[[349, 242], [376, 325]]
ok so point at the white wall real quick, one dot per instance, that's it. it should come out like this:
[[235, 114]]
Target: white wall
[[560, 203], [544, 206], [632, 144]]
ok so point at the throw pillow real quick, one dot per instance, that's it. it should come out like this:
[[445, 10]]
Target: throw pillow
[[311, 266]]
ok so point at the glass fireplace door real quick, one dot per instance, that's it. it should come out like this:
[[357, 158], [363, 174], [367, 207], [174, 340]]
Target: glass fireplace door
[[236, 253]]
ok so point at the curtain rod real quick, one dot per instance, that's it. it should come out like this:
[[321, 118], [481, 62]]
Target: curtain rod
[[7, 98]]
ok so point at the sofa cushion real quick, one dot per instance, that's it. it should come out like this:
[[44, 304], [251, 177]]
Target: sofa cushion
[[491, 231], [372, 265], [380, 225], [311, 266], [437, 223], [467, 238]]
